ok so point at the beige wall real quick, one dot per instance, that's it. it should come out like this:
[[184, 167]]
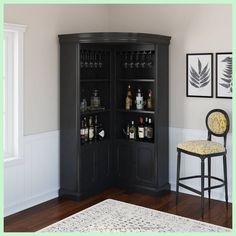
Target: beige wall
[[41, 65], [194, 28]]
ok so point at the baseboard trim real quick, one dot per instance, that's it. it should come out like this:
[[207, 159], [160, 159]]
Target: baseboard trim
[[23, 205]]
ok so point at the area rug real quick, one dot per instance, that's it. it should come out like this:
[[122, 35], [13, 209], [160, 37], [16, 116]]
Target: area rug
[[115, 216]]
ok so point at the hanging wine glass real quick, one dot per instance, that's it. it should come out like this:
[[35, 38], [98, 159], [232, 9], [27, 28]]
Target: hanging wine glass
[[100, 64], [131, 62], [91, 55], [86, 64], [81, 59], [95, 60], [142, 59], [149, 64], [125, 56], [136, 60]]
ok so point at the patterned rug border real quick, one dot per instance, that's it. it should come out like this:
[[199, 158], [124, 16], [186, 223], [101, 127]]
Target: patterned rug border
[[146, 208]]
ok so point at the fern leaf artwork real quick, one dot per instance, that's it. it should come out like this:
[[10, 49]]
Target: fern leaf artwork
[[226, 79], [199, 77]]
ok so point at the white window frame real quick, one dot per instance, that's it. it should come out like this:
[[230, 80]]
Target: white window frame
[[16, 93]]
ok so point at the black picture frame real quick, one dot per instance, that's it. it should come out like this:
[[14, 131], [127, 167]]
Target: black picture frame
[[222, 78], [195, 85]]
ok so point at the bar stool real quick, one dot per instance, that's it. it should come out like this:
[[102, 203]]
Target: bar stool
[[217, 123]]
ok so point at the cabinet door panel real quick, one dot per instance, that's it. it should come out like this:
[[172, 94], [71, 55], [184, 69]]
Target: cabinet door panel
[[102, 162], [145, 165], [124, 162], [87, 168]]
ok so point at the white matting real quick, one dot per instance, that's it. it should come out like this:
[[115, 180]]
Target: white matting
[[115, 216]]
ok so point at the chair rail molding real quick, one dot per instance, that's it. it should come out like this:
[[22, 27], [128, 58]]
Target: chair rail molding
[[36, 180]]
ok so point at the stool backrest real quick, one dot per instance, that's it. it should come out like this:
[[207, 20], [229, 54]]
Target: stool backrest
[[217, 122]]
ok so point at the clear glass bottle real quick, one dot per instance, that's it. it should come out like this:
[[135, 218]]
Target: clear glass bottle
[[149, 100], [128, 100], [150, 130], [95, 101], [95, 127], [91, 129], [145, 127], [132, 131], [82, 132], [85, 130]]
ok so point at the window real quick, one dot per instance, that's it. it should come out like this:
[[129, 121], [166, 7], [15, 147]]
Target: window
[[13, 91]]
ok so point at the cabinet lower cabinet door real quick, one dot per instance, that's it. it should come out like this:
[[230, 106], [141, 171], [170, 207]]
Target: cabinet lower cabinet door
[[95, 167], [87, 169], [145, 168], [103, 165], [124, 162]]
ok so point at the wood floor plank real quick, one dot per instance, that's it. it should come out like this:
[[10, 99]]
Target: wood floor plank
[[40, 216]]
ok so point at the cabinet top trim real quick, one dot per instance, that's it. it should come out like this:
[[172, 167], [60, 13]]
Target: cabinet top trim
[[114, 37]]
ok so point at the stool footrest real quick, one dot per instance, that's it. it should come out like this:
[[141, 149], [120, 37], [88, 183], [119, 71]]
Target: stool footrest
[[199, 176], [190, 189]]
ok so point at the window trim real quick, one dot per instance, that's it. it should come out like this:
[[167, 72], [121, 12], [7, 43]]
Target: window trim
[[18, 31]]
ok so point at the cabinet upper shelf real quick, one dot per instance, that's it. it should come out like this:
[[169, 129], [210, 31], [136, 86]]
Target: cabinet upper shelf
[[137, 111], [137, 80], [114, 37]]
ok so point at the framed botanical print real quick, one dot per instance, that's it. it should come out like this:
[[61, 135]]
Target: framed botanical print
[[224, 79], [199, 72]]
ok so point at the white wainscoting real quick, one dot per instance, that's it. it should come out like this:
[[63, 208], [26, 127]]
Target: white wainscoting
[[191, 165], [35, 178]]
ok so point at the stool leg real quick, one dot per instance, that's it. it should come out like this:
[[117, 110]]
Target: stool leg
[[202, 185], [209, 178], [225, 180], [177, 177]]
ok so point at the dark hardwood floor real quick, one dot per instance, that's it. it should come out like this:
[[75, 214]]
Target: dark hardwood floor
[[42, 215]]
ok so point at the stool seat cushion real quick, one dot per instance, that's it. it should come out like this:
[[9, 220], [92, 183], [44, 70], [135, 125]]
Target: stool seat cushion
[[201, 147]]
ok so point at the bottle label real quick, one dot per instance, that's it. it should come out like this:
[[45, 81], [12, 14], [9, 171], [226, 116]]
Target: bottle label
[[141, 132], [150, 133], [82, 132], [131, 135], [86, 132], [128, 103], [91, 133]]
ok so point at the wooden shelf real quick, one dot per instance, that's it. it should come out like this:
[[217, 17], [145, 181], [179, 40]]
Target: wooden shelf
[[134, 141], [136, 111], [137, 80], [92, 143], [94, 80], [94, 112]]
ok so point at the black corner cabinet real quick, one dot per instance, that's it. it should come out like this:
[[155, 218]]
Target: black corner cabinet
[[86, 169]]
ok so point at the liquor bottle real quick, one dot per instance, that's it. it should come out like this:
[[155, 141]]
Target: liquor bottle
[[128, 100], [91, 129], [140, 129], [127, 131], [150, 130], [139, 100], [82, 132], [96, 127], [85, 130], [145, 128], [149, 99], [132, 131]]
